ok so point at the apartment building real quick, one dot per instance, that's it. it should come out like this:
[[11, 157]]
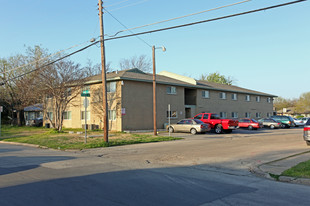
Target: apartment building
[[130, 101]]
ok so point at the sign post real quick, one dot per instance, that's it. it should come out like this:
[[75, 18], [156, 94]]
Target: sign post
[[85, 94], [1, 110]]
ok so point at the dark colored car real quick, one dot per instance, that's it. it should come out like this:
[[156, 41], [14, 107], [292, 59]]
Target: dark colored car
[[271, 123], [249, 123], [286, 121], [307, 132]]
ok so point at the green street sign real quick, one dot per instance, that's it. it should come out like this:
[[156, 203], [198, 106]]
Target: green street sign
[[85, 93]]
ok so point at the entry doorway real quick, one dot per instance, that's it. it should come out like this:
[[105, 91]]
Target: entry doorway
[[188, 112]]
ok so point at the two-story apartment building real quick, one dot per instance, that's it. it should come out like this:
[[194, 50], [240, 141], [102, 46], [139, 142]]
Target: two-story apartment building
[[130, 101]]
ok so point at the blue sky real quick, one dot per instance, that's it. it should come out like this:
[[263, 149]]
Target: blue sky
[[267, 51]]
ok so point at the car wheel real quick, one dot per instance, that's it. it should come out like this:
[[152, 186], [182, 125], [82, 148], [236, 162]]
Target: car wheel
[[193, 131], [283, 126], [250, 127], [308, 143], [272, 126], [171, 129], [218, 129], [228, 131]]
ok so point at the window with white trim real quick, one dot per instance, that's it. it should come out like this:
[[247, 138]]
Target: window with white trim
[[247, 98], [67, 115], [234, 114], [111, 87], [205, 94], [222, 95], [268, 99], [112, 115], [87, 115], [173, 114], [258, 99], [234, 96], [258, 114], [223, 115], [171, 90], [269, 114], [248, 114]]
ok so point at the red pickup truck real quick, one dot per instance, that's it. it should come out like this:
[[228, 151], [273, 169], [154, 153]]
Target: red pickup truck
[[219, 125]]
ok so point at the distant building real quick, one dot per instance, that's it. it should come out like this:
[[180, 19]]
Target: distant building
[[130, 101]]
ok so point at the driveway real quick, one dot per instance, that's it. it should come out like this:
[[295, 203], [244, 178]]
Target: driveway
[[205, 169]]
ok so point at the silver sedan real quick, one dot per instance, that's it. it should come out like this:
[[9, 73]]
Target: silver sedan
[[189, 125]]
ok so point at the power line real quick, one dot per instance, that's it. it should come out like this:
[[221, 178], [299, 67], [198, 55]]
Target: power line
[[138, 27], [208, 20], [127, 28], [137, 3]]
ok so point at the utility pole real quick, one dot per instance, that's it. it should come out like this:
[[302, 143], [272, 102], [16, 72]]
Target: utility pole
[[103, 74], [154, 92]]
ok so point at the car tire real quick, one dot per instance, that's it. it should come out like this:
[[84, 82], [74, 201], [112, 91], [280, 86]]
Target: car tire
[[193, 131], [283, 126], [218, 129], [170, 129], [308, 143], [250, 127], [272, 126], [228, 131]]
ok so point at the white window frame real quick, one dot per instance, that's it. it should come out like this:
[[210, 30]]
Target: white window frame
[[234, 96], [223, 115], [258, 115], [248, 98], [111, 87], [67, 115], [171, 90], [257, 98], [234, 114], [269, 99], [205, 94], [222, 95], [248, 115], [83, 115], [269, 114], [173, 114], [112, 115]]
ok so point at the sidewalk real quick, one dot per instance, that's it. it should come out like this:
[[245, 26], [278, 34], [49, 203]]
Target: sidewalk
[[276, 167]]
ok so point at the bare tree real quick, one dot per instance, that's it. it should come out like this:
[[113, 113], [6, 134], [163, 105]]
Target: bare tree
[[62, 83], [141, 62]]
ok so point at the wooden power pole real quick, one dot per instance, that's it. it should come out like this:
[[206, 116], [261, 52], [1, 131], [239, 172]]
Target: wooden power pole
[[103, 73]]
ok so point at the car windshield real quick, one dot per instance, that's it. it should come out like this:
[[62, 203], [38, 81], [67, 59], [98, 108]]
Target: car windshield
[[198, 121], [253, 120]]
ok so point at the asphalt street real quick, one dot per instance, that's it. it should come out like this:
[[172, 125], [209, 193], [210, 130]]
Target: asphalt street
[[199, 170]]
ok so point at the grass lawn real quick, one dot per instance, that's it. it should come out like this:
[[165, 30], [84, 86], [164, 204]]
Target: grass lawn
[[300, 170], [51, 139]]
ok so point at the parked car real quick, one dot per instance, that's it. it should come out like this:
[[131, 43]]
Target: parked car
[[38, 122], [189, 125], [271, 123], [286, 121], [219, 125], [249, 123], [307, 132], [298, 122]]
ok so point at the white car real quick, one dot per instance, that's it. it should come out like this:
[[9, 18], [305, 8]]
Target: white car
[[299, 122]]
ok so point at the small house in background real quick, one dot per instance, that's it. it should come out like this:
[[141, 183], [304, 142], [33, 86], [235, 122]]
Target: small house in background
[[34, 115]]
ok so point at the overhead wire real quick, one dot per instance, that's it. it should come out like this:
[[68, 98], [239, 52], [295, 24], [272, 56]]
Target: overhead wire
[[157, 30], [127, 28], [159, 22], [134, 4]]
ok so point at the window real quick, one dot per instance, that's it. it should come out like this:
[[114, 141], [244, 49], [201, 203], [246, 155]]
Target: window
[[234, 96], [234, 114], [68, 92], [268, 114], [87, 115], [247, 98], [258, 114], [205, 116], [222, 95], [248, 114], [205, 94], [111, 87], [171, 90], [173, 114], [199, 116], [258, 98], [49, 115], [215, 116], [268, 99], [67, 115], [223, 115], [112, 115]]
